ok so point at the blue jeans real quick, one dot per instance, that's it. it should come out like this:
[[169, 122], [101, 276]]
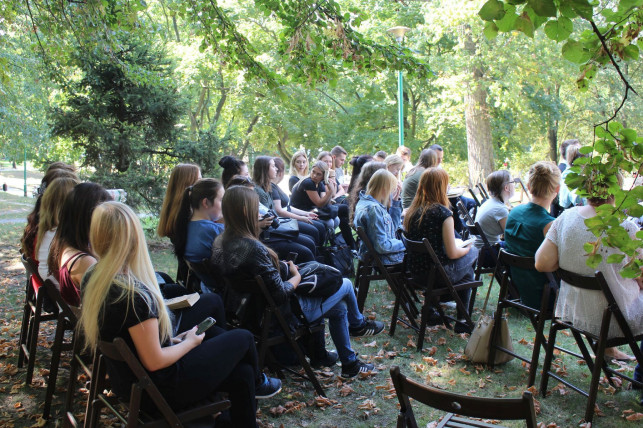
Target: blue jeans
[[460, 271], [342, 313]]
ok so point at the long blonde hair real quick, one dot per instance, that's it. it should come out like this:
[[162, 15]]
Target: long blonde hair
[[293, 168], [51, 206], [383, 182], [117, 239], [183, 175]]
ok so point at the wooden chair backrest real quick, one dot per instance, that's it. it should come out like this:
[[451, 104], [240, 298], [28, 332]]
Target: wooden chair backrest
[[486, 408]]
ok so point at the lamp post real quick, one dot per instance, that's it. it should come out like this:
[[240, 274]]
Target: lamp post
[[398, 33]]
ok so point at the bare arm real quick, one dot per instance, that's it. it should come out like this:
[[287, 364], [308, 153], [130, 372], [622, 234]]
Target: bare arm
[[321, 201], [502, 222], [148, 347], [79, 269], [448, 237], [290, 214], [547, 257]]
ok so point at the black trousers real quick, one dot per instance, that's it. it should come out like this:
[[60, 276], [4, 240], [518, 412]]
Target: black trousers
[[226, 361]]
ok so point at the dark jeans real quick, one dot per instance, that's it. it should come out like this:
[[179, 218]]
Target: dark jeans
[[638, 370], [302, 245], [225, 361], [345, 225]]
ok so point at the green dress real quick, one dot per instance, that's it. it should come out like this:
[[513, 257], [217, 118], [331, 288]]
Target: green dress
[[523, 236]]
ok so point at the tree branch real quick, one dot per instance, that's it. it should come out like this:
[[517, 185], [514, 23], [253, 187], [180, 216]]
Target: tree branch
[[333, 100]]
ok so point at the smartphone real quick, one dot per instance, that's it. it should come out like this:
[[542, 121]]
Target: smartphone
[[205, 324], [326, 175]]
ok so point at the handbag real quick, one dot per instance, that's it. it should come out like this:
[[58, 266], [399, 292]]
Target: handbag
[[327, 212], [287, 228], [477, 349], [318, 280], [339, 256]]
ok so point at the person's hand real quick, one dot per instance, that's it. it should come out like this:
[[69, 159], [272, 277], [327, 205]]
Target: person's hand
[[294, 273], [265, 223], [398, 191], [305, 219], [178, 338], [332, 186], [313, 215], [192, 338]]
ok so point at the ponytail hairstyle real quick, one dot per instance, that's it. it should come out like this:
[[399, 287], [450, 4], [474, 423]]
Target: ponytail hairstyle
[[182, 176], [544, 179], [118, 242], [51, 206], [231, 167], [75, 217], [428, 158], [432, 190], [205, 188], [496, 182], [261, 172], [240, 208]]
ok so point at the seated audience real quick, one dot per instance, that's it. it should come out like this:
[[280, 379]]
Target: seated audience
[[361, 182], [50, 208], [563, 247], [492, 214], [183, 176], [298, 168], [428, 158], [307, 221], [239, 254], [310, 194], [526, 227], [372, 214], [231, 167], [70, 254], [429, 217], [121, 298], [199, 220], [357, 162], [404, 152]]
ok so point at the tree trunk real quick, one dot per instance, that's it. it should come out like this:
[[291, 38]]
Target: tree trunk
[[479, 142]]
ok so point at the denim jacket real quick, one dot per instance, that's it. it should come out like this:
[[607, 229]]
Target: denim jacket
[[380, 226]]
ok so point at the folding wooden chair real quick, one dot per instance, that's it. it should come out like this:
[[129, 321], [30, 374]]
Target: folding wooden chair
[[79, 360], [136, 417], [208, 275], [262, 314], [476, 196], [598, 342], [33, 314], [473, 407], [483, 191], [373, 269], [474, 229], [537, 317], [432, 294]]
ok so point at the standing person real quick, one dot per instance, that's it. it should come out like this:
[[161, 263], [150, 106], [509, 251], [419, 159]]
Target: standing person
[[567, 197], [563, 153], [405, 153], [71, 255], [428, 158], [526, 227], [378, 213], [239, 254], [298, 168], [429, 217], [492, 214], [339, 157], [121, 298]]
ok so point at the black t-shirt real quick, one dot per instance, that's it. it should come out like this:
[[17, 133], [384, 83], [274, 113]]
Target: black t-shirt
[[292, 181], [430, 228], [299, 198], [278, 194]]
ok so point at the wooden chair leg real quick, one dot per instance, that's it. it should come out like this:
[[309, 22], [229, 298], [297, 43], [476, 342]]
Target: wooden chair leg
[[56, 350], [34, 330], [549, 354]]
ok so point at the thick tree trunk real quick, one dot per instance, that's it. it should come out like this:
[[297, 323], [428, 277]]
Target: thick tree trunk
[[479, 142]]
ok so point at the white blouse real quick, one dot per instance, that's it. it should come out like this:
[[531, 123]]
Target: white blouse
[[584, 308]]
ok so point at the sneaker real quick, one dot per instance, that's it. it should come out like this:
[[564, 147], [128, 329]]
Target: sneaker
[[268, 388], [329, 360], [355, 368], [370, 328]]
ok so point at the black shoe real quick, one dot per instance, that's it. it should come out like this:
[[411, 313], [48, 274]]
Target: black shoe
[[270, 387], [329, 360], [433, 318], [355, 368], [461, 327], [370, 328]]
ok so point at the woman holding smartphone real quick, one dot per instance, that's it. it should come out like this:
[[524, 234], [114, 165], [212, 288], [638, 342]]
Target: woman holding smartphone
[[121, 298]]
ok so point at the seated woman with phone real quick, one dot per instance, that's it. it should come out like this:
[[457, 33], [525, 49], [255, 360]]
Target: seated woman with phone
[[121, 298]]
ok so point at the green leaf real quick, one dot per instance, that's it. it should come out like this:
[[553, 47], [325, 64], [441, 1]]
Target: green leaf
[[600, 132], [574, 51], [490, 30], [560, 29], [567, 11], [524, 24], [615, 127], [615, 258], [631, 52], [543, 7], [594, 260], [581, 7], [588, 247], [585, 150], [629, 134], [492, 10], [508, 22]]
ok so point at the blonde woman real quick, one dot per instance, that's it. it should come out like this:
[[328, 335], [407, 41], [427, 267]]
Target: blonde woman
[[298, 168], [378, 213], [395, 165], [122, 298], [50, 208]]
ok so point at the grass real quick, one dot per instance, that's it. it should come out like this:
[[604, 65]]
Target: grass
[[367, 402]]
